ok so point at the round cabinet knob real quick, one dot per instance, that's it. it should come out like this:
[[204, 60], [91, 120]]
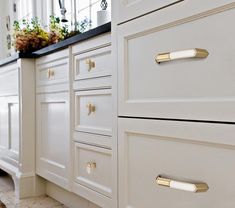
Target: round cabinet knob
[[90, 167]]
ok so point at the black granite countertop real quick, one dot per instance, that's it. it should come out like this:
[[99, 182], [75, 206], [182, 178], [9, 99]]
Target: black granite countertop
[[58, 46]]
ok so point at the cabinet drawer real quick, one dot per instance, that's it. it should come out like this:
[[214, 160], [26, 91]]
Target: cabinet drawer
[[188, 88], [175, 150], [93, 111], [93, 168], [52, 70], [9, 80], [134, 10], [129, 9], [93, 64]]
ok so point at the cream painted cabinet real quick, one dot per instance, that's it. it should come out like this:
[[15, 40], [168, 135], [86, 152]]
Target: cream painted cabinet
[[17, 126], [197, 87], [9, 126], [53, 137], [93, 176], [53, 118], [129, 9], [175, 92], [186, 153]]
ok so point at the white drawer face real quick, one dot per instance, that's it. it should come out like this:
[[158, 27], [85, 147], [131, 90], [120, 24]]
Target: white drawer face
[[9, 80], [93, 64], [149, 149], [188, 88], [93, 111], [53, 72], [93, 168], [129, 9]]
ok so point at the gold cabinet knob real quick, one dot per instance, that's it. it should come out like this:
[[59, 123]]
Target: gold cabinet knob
[[183, 186], [90, 63], [50, 73], [91, 108], [90, 166]]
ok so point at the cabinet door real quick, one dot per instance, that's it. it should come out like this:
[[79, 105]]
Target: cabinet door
[[53, 138], [9, 129]]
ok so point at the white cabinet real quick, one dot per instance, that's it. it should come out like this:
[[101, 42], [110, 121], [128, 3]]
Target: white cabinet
[[92, 115], [129, 9], [9, 80], [93, 64], [93, 111], [132, 10], [9, 128], [188, 152], [53, 138], [175, 99], [53, 118], [17, 126], [92, 167], [197, 88], [52, 72]]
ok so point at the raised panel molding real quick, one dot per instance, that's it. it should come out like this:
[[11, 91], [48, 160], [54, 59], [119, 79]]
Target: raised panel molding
[[53, 138]]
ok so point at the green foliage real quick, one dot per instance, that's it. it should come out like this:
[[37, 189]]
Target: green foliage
[[30, 36]]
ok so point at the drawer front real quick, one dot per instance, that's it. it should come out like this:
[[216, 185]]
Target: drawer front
[[93, 64], [92, 139], [53, 69], [125, 10], [9, 80], [188, 88], [129, 9], [93, 111], [93, 168], [149, 149]]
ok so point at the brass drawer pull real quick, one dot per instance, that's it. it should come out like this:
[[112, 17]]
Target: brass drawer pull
[[90, 166], [184, 54], [91, 108], [90, 63], [50, 73], [184, 186]]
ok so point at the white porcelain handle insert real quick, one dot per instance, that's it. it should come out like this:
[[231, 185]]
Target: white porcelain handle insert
[[184, 54], [184, 186]]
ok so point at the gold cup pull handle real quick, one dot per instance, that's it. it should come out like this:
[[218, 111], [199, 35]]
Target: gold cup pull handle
[[184, 186], [91, 108], [90, 166], [90, 63], [184, 54]]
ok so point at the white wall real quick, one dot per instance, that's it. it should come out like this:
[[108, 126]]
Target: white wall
[[4, 8]]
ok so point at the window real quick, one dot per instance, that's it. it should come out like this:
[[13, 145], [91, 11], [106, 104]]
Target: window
[[68, 6], [88, 9], [77, 10], [25, 10]]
